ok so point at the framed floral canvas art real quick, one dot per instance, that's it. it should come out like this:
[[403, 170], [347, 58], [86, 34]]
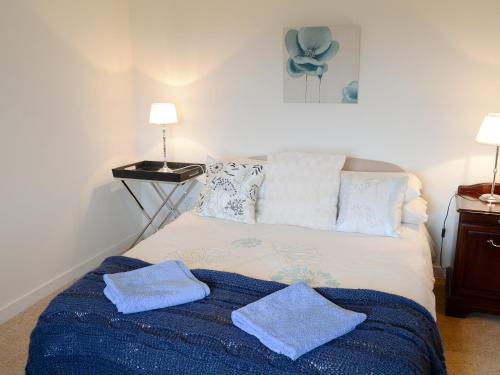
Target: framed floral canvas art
[[321, 64]]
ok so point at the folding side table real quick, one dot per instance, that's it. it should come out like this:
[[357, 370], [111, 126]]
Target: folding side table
[[182, 175]]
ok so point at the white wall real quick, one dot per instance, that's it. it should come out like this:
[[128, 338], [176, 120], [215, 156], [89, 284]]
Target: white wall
[[430, 71], [66, 118]]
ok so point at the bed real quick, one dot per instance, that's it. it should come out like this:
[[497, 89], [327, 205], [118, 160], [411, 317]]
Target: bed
[[389, 279], [287, 254]]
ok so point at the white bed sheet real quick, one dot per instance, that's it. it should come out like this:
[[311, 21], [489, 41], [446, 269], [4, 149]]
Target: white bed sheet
[[287, 254]]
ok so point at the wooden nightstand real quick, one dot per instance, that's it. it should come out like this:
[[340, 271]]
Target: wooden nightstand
[[473, 282]]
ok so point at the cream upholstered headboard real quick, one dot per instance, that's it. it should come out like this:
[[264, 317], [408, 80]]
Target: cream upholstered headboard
[[359, 165], [365, 165]]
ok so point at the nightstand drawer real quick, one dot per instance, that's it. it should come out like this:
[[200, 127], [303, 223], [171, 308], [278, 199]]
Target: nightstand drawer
[[473, 280], [480, 218], [481, 254]]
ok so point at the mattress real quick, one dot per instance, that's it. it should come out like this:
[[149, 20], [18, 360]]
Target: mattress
[[287, 254]]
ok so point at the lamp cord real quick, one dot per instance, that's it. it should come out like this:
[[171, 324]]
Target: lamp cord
[[443, 230]]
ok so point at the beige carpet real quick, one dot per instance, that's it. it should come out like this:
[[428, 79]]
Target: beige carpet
[[472, 345], [15, 336]]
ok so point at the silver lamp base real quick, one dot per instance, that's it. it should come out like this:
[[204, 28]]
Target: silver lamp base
[[166, 170], [490, 198]]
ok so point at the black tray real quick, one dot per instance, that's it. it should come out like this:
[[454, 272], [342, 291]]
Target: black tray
[[150, 170]]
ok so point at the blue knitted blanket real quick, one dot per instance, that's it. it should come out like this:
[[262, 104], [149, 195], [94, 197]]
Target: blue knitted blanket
[[81, 332]]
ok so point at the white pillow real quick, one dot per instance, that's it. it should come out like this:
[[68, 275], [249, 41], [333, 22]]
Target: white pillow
[[415, 211], [231, 191], [371, 203], [301, 189], [252, 160], [414, 188], [212, 160]]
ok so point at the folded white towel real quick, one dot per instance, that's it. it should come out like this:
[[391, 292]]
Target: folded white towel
[[162, 285], [295, 320]]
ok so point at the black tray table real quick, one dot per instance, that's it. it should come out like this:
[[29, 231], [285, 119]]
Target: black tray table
[[150, 171], [183, 174]]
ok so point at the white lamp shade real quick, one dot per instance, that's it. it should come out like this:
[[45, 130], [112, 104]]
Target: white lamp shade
[[163, 114], [489, 132]]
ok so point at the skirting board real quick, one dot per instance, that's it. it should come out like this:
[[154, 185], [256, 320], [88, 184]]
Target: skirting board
[[22, 303]]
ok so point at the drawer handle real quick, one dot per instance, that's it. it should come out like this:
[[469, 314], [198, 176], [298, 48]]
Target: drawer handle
[[498, 221], [492, 243]]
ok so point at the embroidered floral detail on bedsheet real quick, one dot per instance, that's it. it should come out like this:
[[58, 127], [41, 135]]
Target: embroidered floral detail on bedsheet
[[202, 257], [293, 253], [248, 242], [313, 278]]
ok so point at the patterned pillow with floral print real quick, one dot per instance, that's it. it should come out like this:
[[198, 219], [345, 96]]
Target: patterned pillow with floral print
[[231, 191]]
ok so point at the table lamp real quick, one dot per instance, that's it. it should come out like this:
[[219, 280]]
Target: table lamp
[[163, 114], [489, 133]]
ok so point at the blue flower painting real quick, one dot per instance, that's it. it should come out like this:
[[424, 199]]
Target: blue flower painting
[[309, 49], [318, 62], [350, 93]]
